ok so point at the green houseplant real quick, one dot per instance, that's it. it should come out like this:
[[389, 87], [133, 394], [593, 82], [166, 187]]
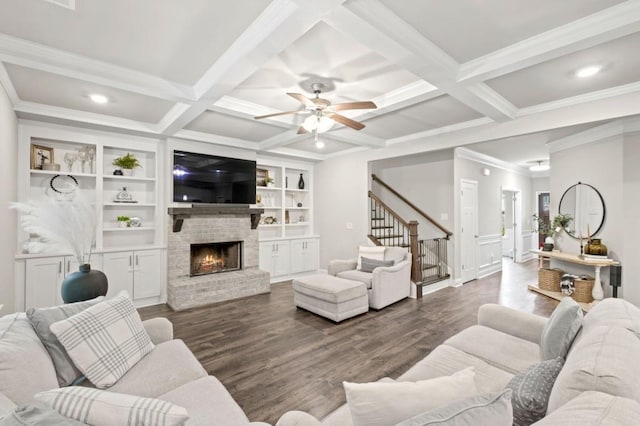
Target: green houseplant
[[550, 229], [123, 221], [127, 162]]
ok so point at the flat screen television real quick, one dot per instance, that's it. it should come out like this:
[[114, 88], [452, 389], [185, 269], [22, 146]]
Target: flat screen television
[[210, 179]]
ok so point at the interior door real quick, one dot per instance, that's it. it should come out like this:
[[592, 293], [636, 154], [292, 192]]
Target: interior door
[[469, 230]]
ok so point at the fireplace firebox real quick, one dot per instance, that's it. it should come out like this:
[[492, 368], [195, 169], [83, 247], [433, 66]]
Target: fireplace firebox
[[213, 258]]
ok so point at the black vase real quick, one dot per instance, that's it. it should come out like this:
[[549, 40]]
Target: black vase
[[301, 182], [84, 284]]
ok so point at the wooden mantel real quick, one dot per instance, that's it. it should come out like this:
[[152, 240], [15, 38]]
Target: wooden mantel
[[181, 213]]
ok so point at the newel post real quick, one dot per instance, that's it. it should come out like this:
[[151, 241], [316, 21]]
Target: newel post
[[416, 271]]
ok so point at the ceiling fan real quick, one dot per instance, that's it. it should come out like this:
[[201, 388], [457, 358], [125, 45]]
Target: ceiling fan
[[322, 114]]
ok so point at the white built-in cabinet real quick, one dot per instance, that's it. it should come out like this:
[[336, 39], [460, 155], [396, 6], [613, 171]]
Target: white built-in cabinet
[[287, 243], [39, 275], [135, 271]]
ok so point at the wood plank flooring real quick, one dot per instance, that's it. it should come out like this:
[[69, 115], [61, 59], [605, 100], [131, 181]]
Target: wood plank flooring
[[274, 358]]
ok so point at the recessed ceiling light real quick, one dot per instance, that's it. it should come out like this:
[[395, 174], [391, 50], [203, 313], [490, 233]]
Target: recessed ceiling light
[[588, 71], [98, 98]]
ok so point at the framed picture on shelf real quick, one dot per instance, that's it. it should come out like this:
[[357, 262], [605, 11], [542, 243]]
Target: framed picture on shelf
[[40, 155], [261, 177]]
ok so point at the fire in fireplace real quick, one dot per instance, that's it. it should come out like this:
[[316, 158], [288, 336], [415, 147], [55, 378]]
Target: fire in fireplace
[[212, 258]]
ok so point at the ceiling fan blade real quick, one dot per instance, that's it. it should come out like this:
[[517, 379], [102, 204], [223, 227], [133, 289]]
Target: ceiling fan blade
[[275, 114], [346, 121], [354, 105], [302, 130], [302, 99]]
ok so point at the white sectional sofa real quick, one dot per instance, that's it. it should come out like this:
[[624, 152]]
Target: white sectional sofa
[[170, 372], [599, 383]]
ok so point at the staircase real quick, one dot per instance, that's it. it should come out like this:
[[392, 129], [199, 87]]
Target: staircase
[[387, 228]]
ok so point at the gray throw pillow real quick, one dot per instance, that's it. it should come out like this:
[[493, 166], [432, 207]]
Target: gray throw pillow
[[37, 413], [560, 330], [531, 390], [368, 265], [488, 409], [66, 372]]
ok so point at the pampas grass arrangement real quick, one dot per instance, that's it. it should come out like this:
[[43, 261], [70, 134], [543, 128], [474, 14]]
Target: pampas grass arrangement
[[64, 225]]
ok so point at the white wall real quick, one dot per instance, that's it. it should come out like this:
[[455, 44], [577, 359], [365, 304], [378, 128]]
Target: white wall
[[599, 164], [631, 218], [8, 220]]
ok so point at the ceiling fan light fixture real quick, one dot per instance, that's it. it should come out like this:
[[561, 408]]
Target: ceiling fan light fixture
[[539, 167], [321, 124], [319, 144]]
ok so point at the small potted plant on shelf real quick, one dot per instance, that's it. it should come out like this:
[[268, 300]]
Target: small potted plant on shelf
[[123, 221], [270, 182], [126, 163], [551, 229]]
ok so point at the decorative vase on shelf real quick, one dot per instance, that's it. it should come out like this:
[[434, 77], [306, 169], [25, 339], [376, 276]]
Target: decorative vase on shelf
[[549, 244], [84, 284], [595, 247], [301, 182]]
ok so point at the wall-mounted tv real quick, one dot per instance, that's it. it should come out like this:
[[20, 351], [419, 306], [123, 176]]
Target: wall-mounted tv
[[202, 178]]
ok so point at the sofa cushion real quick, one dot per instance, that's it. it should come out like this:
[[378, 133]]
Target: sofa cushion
[[445, 360], [378, 404], [502, 350], [105, 340], [372, 252], [368, 265], [595, 409], [6, 405], [41, 319], [617, 312], [25, 365], [208, 403], [603, 360], [355, 275], [487, 409], [397, 254], [105, 408], [531, 389], [561, 329], [169, 366], [37, 413]]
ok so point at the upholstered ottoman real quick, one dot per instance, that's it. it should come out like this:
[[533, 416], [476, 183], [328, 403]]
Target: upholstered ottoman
[[331, 297]]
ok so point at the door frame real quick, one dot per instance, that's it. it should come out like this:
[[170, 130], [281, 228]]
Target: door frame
[[517, 215], [474, 248], [538, 193]]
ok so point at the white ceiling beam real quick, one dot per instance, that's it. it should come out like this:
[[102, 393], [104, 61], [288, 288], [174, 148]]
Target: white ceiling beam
[[215, 139], [598, 28], [373, 24], [248, 110], [297, 153], [42, 58], [5, 81], [281, 139], [277, 27]]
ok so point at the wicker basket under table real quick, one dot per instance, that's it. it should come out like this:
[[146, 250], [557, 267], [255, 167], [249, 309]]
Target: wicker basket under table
[[549, 279], [583, 288]]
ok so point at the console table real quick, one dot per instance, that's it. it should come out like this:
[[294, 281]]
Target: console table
[[597, 292]]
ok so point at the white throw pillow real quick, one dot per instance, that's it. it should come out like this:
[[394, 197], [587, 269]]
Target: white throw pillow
[[382, 404], [103, 408], [371, 252], [105, 340]]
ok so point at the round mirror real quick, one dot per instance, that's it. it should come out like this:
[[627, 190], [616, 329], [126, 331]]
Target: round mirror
[[586, 206]]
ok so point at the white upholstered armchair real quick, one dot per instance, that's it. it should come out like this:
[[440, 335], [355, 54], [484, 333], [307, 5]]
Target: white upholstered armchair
[[385, 284]]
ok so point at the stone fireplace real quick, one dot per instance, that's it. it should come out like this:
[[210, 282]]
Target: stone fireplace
[[212, 256]]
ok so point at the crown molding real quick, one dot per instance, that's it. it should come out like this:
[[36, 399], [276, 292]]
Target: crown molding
[[6, 82], [488, 160], [588, 136]]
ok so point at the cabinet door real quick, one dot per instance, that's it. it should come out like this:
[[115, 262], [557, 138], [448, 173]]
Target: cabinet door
[[266, 253], [43, 278], [298, 256], [147, 274], [281, 259], [118, 267], [71, 263], [311, 255]]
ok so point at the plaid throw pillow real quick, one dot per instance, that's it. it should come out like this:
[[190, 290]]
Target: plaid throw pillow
[[105, 340], [103, 408]]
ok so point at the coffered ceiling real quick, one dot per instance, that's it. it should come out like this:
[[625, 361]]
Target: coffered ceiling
[[502, 71]]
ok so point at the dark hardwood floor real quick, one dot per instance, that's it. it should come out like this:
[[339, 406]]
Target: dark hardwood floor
[[273, 357]]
